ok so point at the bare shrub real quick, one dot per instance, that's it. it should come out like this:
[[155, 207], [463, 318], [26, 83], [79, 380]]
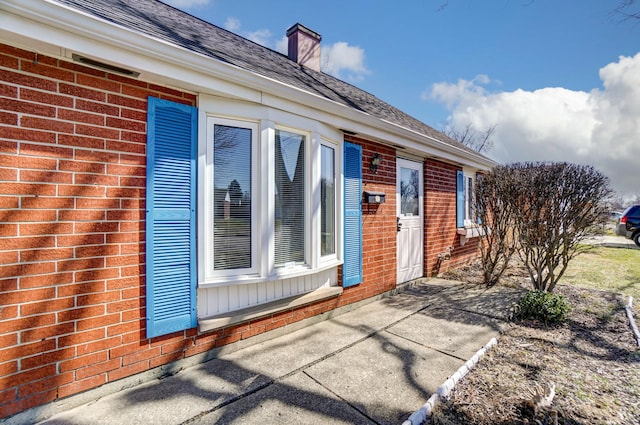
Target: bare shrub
[[495, 217], [542, 211]]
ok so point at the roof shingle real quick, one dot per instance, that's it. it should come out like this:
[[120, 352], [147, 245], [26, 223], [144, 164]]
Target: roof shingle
[[161, 21]]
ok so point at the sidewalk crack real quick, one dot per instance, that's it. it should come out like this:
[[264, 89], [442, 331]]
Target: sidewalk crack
[[356, 408]]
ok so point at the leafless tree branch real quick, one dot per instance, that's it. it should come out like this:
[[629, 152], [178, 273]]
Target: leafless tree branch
[[478, 140], [626, 9], [544, 210]]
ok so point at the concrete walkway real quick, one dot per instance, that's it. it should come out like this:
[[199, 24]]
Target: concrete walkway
[[374, 365], [613, 242]]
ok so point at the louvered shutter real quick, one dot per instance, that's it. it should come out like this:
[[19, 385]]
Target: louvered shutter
[[171, 217], [352, 267], [459, 199]]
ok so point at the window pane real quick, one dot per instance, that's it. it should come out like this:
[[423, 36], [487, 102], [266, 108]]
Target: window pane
[[232, 197], [327, 202], [468, 198], [409, 191], [289, 198]]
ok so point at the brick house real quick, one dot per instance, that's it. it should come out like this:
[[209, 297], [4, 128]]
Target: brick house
[[171, 190]]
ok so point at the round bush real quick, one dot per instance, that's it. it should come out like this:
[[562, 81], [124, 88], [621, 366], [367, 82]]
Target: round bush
[[544, 306]]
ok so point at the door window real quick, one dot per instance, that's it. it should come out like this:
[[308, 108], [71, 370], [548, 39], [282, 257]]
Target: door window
[[409, 192]]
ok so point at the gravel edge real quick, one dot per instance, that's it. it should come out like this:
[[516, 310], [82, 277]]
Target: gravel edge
[[632, 321], [419, 416]]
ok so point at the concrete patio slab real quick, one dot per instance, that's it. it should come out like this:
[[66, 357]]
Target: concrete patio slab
[[386, 376], [297, 399], [375, 364]]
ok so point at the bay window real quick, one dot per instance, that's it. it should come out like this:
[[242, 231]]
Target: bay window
[[269, 202], [242, 213]]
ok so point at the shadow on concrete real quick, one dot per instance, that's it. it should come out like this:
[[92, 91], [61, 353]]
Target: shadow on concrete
[[354, 369]]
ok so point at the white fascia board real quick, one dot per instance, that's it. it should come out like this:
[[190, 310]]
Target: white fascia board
[[367, 126], [78, 32]]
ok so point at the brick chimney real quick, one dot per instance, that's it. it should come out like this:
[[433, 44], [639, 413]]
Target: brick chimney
[[304, 46]]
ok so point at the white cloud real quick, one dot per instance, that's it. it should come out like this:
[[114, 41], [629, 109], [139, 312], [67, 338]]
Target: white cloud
[[342, 58], [232, 24], [600, 127], [463, 91], [282, 45], [187, 4], [262, 37]]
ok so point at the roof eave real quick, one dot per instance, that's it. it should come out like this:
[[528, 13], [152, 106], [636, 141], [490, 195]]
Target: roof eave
[[89, 30]]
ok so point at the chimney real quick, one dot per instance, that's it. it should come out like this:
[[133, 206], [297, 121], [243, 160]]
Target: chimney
[[304, 46]]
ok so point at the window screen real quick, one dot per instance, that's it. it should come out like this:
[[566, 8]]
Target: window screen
[[327, 201], [409, 192], [289, 195], [232, 197]]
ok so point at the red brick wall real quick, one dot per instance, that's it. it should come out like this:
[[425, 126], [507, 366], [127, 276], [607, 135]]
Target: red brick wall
[[440, 220], [378, 224], [72, 173], [72, 193]]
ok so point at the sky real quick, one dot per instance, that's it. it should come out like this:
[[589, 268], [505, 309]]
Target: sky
[[559, 79]]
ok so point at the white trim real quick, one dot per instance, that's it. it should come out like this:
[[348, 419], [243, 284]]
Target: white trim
[[468, 173], [314, 202], [330, 258], [308, 187], [414, 270], [255, 312], [207, 192], [251, 279], [268, 186]]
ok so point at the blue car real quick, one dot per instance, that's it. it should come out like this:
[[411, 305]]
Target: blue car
[[629, 224]]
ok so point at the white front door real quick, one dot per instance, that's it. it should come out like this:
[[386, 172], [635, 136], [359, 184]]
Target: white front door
[[410, 234]]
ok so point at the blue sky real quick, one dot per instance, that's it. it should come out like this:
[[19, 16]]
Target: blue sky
[[560, 80]]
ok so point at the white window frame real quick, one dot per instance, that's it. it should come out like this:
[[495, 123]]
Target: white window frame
[[266, 121], [469, 179], [307, 265], [208, 193], [329, 258]]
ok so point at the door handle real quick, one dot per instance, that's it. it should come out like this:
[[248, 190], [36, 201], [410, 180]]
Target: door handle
[[398, 224]]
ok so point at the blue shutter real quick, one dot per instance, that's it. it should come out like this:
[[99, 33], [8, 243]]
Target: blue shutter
[[352, 267], [171, 217], [459, 199]]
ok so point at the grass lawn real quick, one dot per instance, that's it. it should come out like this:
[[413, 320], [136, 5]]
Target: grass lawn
[[607, 269]]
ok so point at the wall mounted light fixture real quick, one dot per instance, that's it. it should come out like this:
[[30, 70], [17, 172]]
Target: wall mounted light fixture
[[376, 160]]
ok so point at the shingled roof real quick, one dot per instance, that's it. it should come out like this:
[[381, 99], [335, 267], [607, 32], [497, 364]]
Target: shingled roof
[[174, 26]]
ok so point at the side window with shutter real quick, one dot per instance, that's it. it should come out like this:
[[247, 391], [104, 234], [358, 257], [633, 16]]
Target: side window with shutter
[[170, 217], [459, 199], [476, 203], [352, 267]]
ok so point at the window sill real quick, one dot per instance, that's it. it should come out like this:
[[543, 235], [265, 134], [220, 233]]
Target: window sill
[[469, 231], [256, 312], [281, 274]]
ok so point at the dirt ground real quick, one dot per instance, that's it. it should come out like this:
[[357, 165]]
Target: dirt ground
[[592, 361]]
